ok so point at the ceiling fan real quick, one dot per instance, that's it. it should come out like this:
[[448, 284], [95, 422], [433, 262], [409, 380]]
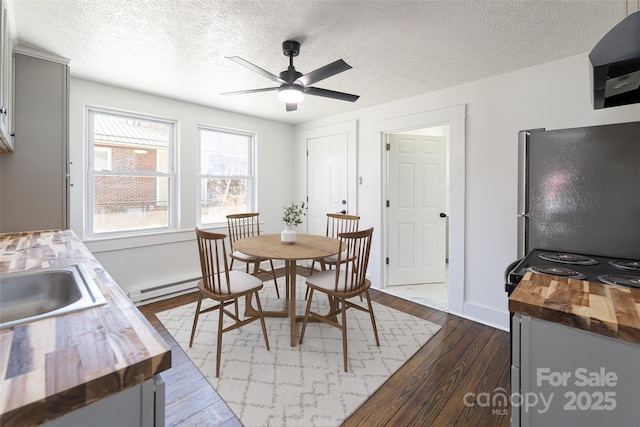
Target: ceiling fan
[[293, 84]]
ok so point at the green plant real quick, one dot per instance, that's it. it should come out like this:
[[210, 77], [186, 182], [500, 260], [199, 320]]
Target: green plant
[[293, 214]]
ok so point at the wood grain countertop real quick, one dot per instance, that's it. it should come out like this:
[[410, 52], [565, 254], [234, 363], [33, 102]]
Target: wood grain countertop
[[612, 311], [53, 366]]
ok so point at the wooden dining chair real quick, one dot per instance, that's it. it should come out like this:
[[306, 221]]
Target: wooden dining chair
[[347, 280], [224, 286], [336, 223], [247, 225]]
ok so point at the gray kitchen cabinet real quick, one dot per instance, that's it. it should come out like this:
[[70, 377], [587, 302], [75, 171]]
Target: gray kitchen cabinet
[[142, 405], [34, 177], [564, 376]]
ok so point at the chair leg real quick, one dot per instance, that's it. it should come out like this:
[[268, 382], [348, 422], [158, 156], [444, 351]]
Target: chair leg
[[344, 332], [275, 279], [219, 347], [195, 320], [373, 319], [313, 263], [264, 328], [306, 314], [256, 270]]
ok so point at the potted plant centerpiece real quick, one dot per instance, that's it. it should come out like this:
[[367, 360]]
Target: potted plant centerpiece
[[292, 217]]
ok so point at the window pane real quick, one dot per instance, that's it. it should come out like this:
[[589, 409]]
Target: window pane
[[221, 197], [135, 145], [226, 174], [129, 159], [132, 176], [224, 153], [102, 159], [130, 202]]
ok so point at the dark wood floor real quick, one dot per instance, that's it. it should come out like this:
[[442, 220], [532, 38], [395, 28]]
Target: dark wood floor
[[463, 359]]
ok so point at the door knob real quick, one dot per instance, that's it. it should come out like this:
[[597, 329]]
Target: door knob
[[443, 215], [343, 212]]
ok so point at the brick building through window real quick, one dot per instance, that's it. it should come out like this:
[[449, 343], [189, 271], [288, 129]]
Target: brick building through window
[[131, 181]]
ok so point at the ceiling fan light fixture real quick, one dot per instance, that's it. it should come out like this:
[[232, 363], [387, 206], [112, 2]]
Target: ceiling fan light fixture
[[292, 84], [290, 93]]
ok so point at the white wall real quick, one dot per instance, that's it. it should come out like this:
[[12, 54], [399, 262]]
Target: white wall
[[150, 260], [555, 95]]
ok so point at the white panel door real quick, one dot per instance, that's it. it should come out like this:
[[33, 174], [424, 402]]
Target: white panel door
[[417, 197], [328, 161]]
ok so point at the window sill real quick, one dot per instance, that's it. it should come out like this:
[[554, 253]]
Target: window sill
[[114, 243]]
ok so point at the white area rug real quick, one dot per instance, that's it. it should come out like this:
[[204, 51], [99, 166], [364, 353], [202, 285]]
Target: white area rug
[[303, 385]]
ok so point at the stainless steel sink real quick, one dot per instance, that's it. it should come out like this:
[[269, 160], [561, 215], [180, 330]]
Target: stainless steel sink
[[37, 294]]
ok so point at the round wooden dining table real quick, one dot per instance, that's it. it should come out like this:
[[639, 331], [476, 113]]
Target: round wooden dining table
[[269, 246]]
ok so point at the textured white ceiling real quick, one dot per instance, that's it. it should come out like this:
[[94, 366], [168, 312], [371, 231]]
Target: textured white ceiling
[[397, 49]]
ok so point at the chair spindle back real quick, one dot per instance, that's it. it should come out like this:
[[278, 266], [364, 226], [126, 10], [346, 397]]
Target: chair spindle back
[[242, 226], [213, 261], [353, 259], [341, 223]]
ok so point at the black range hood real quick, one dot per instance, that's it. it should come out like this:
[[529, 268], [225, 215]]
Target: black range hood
[[615, 70]]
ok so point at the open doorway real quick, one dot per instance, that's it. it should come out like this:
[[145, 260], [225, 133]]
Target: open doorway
[[454, 117], [417, 215]]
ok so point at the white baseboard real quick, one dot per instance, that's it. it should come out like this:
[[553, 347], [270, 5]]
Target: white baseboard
[[487, 316]]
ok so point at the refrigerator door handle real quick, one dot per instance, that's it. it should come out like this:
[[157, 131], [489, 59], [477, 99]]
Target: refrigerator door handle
[[523, 223], [523, 172], [524, 137]]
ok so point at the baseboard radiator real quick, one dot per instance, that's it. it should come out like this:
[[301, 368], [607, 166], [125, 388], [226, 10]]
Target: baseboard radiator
[[161, 292]]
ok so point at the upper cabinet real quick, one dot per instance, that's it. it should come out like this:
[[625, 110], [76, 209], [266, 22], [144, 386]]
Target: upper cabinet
[[6, 79]]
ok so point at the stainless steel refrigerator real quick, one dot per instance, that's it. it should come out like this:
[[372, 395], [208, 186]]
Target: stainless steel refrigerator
[[579, 190], [579, 194]]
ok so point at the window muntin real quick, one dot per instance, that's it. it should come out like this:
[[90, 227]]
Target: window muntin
[[131, 173], [226, 182]]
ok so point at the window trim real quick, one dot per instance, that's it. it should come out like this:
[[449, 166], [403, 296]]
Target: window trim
[[171, 174], [251, 178]]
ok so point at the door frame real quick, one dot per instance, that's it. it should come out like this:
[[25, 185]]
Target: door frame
[[455, 118]]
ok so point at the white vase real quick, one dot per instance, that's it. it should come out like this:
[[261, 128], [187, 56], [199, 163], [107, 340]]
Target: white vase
[[288, 235]]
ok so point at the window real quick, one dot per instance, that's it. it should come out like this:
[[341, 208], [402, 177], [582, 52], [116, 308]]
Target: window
[[131, 173], [102, 158], [226, 174]]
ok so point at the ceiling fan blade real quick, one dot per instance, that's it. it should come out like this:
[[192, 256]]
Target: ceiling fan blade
[[255, 68], [242, 92], [331, 94], [292, 107], [323, 72]]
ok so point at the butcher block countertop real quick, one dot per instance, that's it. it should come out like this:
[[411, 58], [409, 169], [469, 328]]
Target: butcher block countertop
[[612, 311], [53, 366]]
